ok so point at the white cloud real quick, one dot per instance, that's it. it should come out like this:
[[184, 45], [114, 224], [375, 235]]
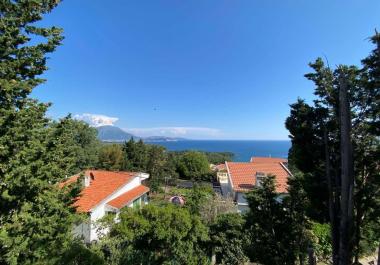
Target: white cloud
[[96, 120], [189, 132]]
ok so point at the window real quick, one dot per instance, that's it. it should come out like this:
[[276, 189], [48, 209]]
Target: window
[[136, 203]]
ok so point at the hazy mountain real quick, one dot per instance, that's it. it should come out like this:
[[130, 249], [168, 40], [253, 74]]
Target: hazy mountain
[[110, 133]]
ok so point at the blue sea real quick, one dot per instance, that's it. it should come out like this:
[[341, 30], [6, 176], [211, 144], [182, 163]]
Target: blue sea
[[242, 150]]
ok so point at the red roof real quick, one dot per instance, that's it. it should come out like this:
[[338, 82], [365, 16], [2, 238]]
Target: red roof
[[129, 196], [243, 175], [257, 159], [103, 184]]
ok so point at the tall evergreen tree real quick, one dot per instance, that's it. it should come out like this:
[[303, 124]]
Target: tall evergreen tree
[[268, 224], [35, 220], [73, 144], [318, 155]]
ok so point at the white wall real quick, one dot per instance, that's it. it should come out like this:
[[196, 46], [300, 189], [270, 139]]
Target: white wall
[[242, 202], [83, 231], [99, 211]]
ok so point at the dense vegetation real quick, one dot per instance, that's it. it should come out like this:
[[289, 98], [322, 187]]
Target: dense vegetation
[[322, 155], [37, 153], [163, 166]]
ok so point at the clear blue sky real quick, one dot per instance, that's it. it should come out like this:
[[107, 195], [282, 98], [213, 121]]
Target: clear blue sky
[[217, 69]]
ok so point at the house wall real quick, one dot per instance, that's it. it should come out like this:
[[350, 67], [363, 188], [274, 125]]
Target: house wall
[[242, 202], [83, 230], [222, 176], [228, 189], [99, 212]]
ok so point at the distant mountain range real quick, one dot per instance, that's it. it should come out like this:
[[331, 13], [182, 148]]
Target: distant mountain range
[[110, 133]]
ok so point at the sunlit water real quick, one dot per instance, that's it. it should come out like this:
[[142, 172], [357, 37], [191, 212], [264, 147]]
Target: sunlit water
[[242, 150]]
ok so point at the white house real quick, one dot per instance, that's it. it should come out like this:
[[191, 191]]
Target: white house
[[244, 176], [106, 192]]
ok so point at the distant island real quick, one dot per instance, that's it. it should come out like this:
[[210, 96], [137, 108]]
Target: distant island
[[109, 133]]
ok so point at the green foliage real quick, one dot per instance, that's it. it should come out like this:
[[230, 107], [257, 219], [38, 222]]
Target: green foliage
[[212, 157], [315, 131], [111, 157], [228, 239], [196, 197], [23, 49], [269, 225], [218, 157], [136, 155], [322, 241], [214, 205], [193, 165], [80, 254], [73, 144], [35, 217], [152, 159], [157, 235], [296, 203]]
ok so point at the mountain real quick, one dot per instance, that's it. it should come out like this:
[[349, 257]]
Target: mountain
[[110, 133]]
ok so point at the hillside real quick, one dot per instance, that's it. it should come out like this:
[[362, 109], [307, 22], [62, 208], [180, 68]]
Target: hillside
[[109, 133]]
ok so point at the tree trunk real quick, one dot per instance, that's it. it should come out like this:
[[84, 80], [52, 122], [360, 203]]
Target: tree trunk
[[347, 176], [213, 256], [333, 213], [312, 260]]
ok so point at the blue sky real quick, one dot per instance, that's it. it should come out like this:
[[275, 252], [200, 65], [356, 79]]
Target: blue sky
[[216, 69]]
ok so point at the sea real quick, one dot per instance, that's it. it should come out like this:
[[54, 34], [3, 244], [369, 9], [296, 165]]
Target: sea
[[243, 150]]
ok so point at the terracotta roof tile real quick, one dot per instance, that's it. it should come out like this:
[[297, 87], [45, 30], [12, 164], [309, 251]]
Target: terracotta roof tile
[[104, 184], [243, 175], [127, 197], [257, 159]]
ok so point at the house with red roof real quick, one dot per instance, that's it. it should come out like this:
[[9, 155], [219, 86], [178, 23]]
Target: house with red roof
[[105, 192], [245, 176]]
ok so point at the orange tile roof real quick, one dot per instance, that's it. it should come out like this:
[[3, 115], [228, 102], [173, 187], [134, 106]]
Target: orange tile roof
[[257, 159], [104, 184], [243, 175], [131, 195]]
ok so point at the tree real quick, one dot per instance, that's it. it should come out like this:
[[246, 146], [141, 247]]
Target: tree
[[219, 157], [296, 203], [319, 154], [35, 217], [193, 165], [268, 225], [111, 157], [160, 167], [152, 159], [76, 143], [136, 155], [214, 205], [157, 235], [228, 239]]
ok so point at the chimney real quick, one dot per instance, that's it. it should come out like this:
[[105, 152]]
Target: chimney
[[88, 179], [259, 178]]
